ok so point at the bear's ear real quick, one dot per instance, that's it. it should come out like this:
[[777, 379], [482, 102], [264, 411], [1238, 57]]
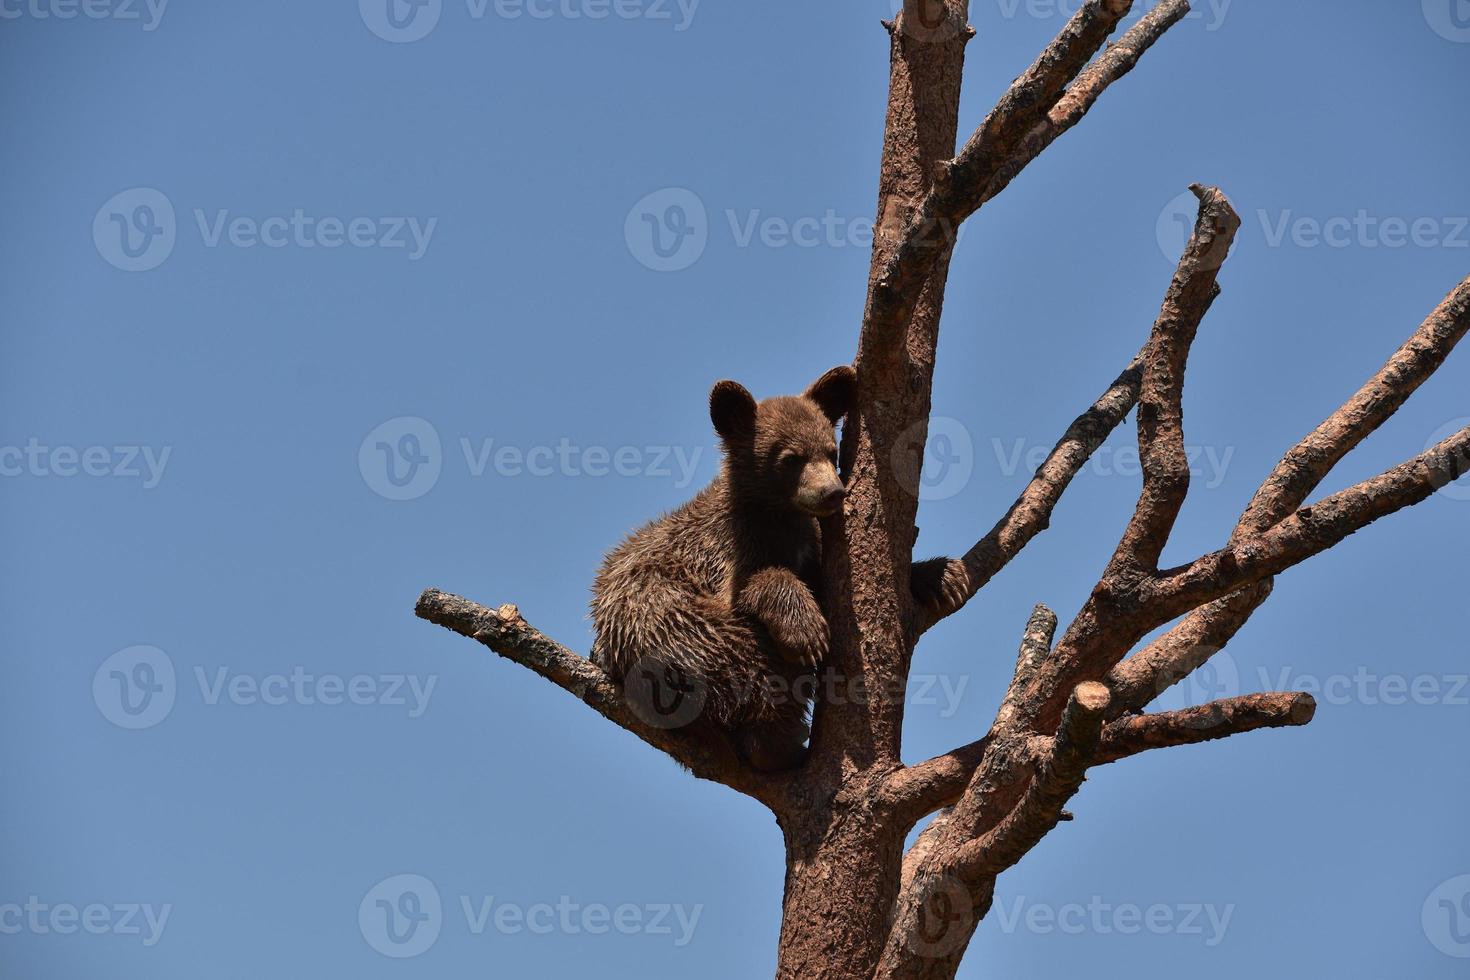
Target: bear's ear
[[835, 392], [732, 410]]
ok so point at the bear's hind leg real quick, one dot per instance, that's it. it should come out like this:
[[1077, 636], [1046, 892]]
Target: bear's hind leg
[[776, 743]]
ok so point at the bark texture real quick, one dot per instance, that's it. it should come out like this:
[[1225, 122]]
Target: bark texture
[[857, 905]]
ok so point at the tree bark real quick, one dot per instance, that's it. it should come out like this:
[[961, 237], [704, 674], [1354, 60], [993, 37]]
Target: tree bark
[[843, 858]]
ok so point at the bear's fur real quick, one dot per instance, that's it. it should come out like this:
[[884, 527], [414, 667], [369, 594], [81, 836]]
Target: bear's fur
[[721, 594]]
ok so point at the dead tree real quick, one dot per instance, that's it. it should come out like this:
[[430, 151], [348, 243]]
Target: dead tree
[[856, 904]]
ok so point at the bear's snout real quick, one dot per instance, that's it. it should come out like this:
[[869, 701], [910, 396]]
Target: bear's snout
[[824, 499]]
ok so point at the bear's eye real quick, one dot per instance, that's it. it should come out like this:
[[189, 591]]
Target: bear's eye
[[789, 460], [832, 456]]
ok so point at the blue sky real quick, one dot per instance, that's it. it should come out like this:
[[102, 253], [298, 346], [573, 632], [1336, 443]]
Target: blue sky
[[431, 233]]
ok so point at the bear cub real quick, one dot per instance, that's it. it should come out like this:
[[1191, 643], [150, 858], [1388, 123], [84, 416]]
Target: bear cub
[[714, 605], [721, 594]]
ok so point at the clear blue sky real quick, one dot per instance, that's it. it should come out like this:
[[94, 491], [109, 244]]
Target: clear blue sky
[[220, 411]]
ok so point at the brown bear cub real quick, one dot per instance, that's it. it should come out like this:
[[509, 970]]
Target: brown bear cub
[[721, 594]]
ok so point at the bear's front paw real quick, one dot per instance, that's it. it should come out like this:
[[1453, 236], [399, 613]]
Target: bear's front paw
[[939, 585], [801, 639]]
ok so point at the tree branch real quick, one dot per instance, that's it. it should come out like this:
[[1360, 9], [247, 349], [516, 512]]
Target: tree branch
[[1119, 59], [1307, 463], [1311, 530], [1154, 381], [1160, 401], [1218, 719], [508, 634], [1180, 652], [1031, 513], [1037, 108], [1062, 772], [1024, 106], [914, 792], [1207, 629]]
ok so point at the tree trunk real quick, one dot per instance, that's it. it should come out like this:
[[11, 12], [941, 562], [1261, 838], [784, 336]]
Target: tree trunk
[[842, 875], [844, 855]]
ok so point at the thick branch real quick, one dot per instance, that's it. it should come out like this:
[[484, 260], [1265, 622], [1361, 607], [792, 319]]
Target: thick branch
[[1218, 719], [1311, 530], [508, 634], [1024, 106], [1160, 401], [1178, 653], [1036, 109], [1031, 513], [1307, 463], [1175, 655], [1036, 643], [1122, 609], [1062, 773], [914, 792], [1119, 59], [1154, 381]]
